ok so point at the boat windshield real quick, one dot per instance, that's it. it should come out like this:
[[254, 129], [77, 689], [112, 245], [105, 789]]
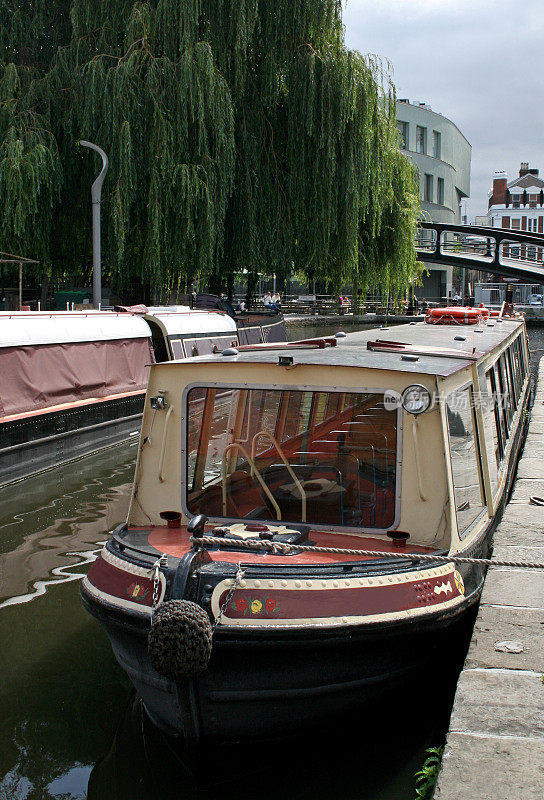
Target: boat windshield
[[319, 457]]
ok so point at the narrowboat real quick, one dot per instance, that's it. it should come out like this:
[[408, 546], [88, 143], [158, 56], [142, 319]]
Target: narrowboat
[[74, 383], [297, 512]]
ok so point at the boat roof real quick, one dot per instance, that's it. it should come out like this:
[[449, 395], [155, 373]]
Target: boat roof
[[179, 320], [351, 350], [27, 328]]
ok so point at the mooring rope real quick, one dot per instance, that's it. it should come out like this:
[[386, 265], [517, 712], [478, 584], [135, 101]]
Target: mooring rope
[[284, 548]]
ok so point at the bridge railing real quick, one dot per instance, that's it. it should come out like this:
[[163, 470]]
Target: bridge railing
[[499, 250]]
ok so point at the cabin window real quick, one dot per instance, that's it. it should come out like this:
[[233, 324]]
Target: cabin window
[[500, 401], [177, 348], [498, 435], [523, 354], [487, 402], [507, 402], [511, 379], [465, 461], [320, 457], [516, 368]]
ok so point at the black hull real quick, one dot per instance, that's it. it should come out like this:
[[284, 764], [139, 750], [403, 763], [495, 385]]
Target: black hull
[[35, 444], [263, 685]]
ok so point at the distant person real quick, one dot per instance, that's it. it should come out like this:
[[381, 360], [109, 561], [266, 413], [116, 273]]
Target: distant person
[[276, 299], [424, 306], [267, 300], [241, 305]]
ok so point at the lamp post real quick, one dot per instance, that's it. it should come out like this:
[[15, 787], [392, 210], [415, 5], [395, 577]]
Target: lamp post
[[96, 190]]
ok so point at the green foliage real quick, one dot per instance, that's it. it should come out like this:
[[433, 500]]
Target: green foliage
[[428, 774], [241, 135]]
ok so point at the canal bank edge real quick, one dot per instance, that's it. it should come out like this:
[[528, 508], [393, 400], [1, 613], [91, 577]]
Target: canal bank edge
[[495, 744]]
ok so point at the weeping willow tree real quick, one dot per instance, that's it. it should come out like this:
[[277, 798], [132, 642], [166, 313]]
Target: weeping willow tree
[[241, 135]]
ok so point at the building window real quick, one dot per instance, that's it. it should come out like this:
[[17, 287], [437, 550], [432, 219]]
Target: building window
[[531, 224], [516, 201], [428, 189], [437, 144], [533, 200], [516, 225], [403, 135], [440, 191], [421, 139]]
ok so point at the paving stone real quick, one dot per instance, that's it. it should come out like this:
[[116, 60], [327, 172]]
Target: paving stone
[[491, 768], [507, 625], [537, 412], [535, 440], [536, 426], [531, 467], [525, 515], [519, 552], [512, 535], [514, 587], [503, 702]]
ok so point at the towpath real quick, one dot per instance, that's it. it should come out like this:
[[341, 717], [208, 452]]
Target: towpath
[[495, 745]]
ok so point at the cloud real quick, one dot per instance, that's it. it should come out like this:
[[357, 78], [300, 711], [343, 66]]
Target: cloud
[[478, 63]]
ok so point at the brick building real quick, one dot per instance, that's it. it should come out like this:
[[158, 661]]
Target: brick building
[[518, 205]]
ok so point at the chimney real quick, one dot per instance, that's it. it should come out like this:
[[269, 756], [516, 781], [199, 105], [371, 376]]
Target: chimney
[[524, 169], [498, 196]]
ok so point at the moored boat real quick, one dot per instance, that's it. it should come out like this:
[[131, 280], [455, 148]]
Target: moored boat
[[296, 516], [73, 383]]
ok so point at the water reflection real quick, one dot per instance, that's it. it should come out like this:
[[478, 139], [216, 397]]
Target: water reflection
[[54, 521], [373, 758], [61, 691]]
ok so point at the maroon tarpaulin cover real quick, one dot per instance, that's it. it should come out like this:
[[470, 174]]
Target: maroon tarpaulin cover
[[38, 376]]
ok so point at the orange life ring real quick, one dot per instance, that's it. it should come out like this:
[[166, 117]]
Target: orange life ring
[[455, 315]]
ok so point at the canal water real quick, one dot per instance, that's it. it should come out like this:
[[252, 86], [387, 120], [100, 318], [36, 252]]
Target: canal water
[[71, 726]]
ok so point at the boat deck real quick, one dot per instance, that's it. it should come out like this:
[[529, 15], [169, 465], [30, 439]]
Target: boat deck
[[176, 542]]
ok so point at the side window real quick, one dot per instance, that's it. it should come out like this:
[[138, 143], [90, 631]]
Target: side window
[[516, 367], [506, 399], [465, 459], [500, 403], [491, 431], [511, 377], [498, 437]]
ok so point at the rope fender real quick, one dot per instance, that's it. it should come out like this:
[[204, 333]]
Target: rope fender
[[180, 640], [284, 548]]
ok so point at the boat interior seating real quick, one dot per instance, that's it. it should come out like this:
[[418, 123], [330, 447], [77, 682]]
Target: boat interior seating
[[306, 457]]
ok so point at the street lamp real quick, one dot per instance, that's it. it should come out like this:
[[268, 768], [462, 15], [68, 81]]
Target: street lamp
[[96, 190]]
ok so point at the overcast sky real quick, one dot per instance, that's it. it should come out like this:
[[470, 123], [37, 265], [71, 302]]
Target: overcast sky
[[478, 62]]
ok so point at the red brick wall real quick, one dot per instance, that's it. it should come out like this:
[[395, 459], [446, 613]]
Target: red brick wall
[[506, 222], [499, 192]]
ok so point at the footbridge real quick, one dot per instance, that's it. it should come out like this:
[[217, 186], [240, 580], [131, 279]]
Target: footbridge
[[505, 252]]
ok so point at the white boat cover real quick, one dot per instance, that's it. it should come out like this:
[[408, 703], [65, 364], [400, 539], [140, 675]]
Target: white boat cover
[[193, 321], [18, 328]]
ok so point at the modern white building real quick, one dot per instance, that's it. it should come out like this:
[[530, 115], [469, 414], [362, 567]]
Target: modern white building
[[442, 155]]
